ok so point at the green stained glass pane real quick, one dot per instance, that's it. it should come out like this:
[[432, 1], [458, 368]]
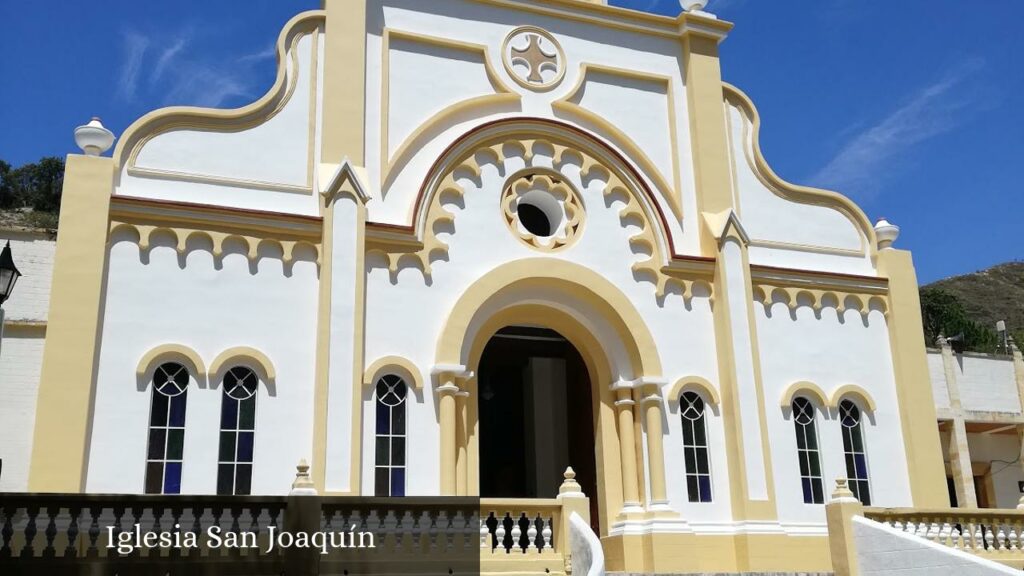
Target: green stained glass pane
[[227, 447], [247, 414], [175, 443]]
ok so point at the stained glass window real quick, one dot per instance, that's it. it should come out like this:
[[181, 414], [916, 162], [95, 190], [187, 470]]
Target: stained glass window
[[389, 472], [237, 432], [853, 448], [166, 446], [695, 448], [807, 451]]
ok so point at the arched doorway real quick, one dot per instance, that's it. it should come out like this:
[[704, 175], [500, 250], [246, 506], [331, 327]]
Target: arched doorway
[[536, 415]]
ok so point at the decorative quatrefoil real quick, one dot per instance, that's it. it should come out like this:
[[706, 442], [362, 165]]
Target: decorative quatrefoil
[[533, 58]]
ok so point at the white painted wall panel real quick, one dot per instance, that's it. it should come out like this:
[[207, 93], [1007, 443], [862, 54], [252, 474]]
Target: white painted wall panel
[[208, 310], [937, 374], [1003, 452], [800, 346], [20, 361]]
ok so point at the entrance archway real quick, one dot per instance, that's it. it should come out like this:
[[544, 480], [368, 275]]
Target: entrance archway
[[603, 326], [536, 417]]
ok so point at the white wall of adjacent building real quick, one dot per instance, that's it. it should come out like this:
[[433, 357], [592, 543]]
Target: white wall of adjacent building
[[21, 352]]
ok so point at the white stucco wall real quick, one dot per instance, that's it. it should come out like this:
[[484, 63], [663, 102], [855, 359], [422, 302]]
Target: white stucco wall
[[164, 301], [799, 346], [21, 352], [937, 375]]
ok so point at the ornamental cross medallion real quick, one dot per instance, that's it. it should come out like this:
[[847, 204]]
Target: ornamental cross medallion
[[535, 57]]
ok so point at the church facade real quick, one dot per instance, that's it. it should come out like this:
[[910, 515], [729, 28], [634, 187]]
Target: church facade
[[464, 244]]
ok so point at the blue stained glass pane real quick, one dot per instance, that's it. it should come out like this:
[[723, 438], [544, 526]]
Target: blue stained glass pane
[[178, 410], [398, 481], [245, 440], [158, 413], [247, 414], [808, 492], [383, 418], [862, 465], [228, 413], [172, 478], [705, 488]]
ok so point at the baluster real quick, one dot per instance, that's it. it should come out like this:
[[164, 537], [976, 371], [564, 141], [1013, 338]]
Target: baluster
[[499, 533], [235, 512], [976, 537], [922, 529], [254, 524], [158, 513], [94, 530], [517, 535], [986, 534], [546, 534], [897, 525], [1000, 539], [71, 550], [484, 534], [944, 533], [197, 512], [1012, 537], [176, 512], [273, 512], [217, 512], [7, 531], [51, 531], [458, 526], [30, 532], [531, 534], [956, 537]]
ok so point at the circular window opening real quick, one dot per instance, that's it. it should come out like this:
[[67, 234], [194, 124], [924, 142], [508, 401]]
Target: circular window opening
[[540, 213]]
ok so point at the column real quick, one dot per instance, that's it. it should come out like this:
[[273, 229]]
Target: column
[[652, 405], [958, 449], [627, 449], [448, 378], [462, 444]]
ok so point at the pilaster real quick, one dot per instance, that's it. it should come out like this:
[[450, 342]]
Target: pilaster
[[67, 380], [344, 115]]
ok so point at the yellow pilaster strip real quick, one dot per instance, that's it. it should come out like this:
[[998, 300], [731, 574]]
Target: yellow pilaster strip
[[66, 385], [344, 82], [627, 446], [446, 412], [913, 384], [707, 124]]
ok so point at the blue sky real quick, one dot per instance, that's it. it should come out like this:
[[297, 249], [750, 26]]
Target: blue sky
[[913, 108]]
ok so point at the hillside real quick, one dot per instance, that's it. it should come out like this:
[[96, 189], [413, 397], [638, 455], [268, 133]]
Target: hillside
[[990, 295]]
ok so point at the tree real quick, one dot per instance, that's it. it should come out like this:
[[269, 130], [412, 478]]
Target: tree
[[36, 185], [942, 313]]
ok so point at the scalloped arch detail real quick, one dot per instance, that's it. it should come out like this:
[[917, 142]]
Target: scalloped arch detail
[[859, 394], [803, 388], [243, 356], [696, 384]]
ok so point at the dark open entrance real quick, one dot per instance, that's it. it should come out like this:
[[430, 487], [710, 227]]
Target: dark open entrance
[[536, 416]]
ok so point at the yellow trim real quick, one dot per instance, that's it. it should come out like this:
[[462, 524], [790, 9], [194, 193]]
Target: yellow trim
[[673, 193], [503, 95], [170, 353], [344, 103], [393, 365], [210, 119], [242, 356], [794, 192], [804, 388], [858, 394], [697, 384], [561, 64], [67, 377], [578, 282]]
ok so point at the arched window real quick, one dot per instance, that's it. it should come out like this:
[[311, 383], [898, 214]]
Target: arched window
[[807, 451], [237, 431], [695, 448], [853, 448], [389, 471], [166, 429]]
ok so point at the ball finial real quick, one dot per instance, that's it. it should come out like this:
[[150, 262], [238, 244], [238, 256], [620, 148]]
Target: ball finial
[[693, 5], [886, 233]]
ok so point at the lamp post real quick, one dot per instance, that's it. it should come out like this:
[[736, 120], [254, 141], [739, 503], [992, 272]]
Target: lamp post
[[8, 277]]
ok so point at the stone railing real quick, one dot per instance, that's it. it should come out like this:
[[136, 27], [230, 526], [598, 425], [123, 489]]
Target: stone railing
[[919, 541], [519, 526], [989, 532]]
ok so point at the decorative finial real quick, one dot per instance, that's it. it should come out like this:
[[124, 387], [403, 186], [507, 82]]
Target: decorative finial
[[569, 485], [93, 138], [693, 5], [1020, 503], [842, 492], [886, 232], [941, 340], [303, 484]]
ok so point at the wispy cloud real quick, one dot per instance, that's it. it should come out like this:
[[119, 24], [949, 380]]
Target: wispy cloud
[[135, 46], [933, 110], [175, 68]]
